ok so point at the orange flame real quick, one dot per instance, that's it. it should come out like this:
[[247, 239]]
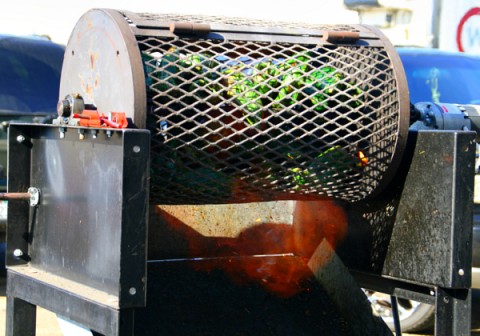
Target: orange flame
[[272, 255]]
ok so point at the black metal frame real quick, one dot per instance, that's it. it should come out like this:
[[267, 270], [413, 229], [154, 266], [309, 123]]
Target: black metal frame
[[419, 232], [375, 250], [453, 305], [82, 253]]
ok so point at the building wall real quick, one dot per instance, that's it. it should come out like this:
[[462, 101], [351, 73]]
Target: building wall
[[405, 22], [446, 24]]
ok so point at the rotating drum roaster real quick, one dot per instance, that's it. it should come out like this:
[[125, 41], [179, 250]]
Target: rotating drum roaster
[[244, 110], [259, 133]]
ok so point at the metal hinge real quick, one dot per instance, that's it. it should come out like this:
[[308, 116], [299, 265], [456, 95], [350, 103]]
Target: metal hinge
[[341, 36], [188, 28]]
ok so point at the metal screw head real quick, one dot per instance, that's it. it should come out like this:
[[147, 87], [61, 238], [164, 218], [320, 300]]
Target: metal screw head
[[461, 272], [132, 291], [17, 253], [20, 138]]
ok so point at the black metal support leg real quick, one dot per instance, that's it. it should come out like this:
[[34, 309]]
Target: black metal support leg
[[453, 313], [25, 293], [123, 324], [396, 318], [21, 317]]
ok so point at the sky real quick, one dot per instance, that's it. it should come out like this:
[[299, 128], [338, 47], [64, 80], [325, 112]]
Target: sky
[[57, 19]]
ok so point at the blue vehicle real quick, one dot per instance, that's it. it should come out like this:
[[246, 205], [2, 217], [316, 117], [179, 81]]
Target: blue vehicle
[[439, 76], [30, 69]]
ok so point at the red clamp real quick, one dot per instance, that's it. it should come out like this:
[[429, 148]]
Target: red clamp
[[91, 118]]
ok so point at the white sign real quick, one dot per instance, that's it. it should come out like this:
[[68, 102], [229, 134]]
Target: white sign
[[468, 31]]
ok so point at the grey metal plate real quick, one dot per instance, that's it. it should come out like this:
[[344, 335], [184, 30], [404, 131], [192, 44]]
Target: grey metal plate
[[90, 225], [420, 229]]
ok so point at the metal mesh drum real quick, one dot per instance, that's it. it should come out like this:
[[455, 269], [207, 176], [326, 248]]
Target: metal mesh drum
[[246, 110]]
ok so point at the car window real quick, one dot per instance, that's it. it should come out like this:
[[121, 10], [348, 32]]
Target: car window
[[440, 78], [30, 70], [29, 75]]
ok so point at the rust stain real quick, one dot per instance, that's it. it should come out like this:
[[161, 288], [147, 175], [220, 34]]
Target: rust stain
[[92, 60], [448, 159], [96, 81], [89, 90]]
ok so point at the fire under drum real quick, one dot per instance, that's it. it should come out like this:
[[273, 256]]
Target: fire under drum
[[244, 110]]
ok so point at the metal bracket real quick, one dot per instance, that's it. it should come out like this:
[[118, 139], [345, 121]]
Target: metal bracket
[[340, 37], [188, 28]]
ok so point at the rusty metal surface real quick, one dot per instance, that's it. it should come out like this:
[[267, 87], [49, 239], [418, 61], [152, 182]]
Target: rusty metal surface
[[229, 220], [102, 64]]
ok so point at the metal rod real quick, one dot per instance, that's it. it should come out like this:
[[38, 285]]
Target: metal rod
[[15, 196], [396, 318]]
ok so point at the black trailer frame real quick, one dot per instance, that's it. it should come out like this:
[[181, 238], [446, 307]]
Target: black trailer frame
[[82, 251]]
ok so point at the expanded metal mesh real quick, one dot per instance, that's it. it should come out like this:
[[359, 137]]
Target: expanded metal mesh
[[156, 18], [239, 121]]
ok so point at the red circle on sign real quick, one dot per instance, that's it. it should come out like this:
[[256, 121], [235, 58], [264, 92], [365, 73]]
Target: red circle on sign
[[471, 12]]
